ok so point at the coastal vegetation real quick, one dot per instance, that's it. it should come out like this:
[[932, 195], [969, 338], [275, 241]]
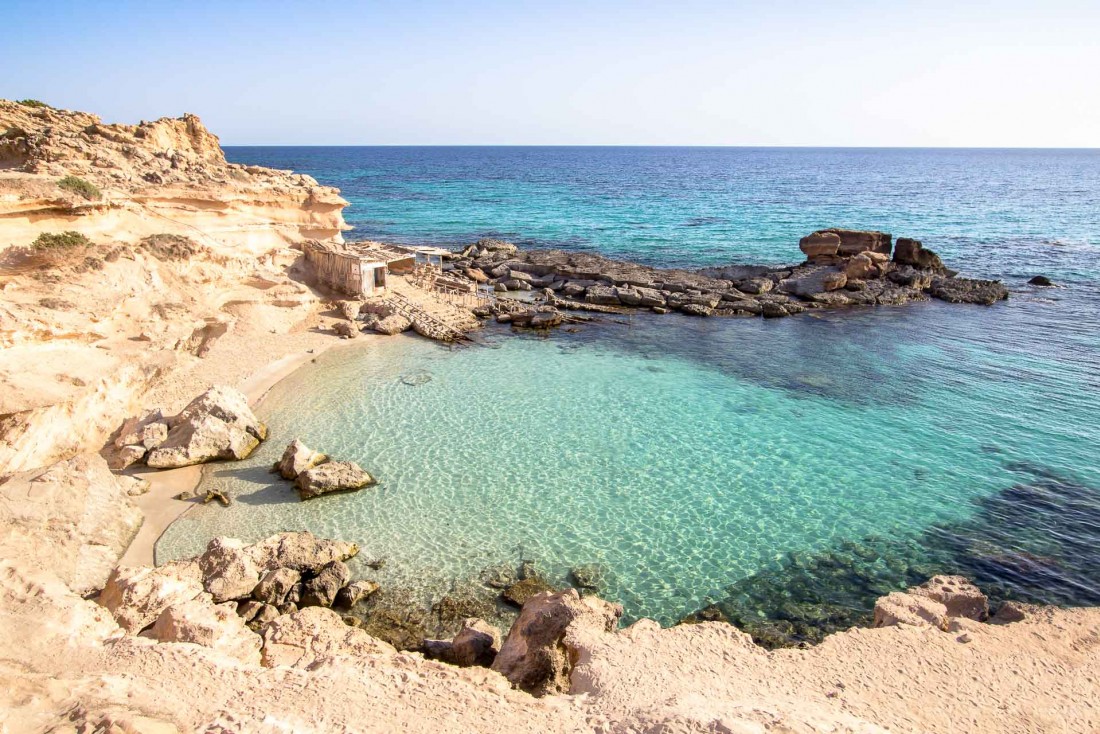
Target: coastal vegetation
[[81, 187], [59, 241]]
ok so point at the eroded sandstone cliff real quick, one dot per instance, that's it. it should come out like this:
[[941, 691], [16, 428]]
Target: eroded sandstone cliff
[[159, 247]]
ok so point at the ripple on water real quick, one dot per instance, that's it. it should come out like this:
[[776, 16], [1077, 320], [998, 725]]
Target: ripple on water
[[684, 457]]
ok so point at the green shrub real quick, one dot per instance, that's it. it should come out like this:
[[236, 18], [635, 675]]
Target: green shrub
[[171, 246], [33, 103], [81, 187], [60, 241]]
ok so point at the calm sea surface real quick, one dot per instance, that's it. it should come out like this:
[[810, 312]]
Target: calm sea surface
[[786, 470]]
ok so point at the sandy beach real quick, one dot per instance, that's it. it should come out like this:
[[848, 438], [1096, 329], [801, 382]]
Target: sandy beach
[[228, 361]]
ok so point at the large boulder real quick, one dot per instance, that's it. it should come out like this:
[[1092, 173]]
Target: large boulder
[[136, 596], [143, 430], [601, 295], [218, 424], [477, 643], [902, 608], [334, 476], [911, 252], [393, 324], [229, 569], [297, 458], [959, 597], [539, 653], [820, 245], [496, 247], [73, 518], [300, 551], [275, 585], [855, 241], [301, 639], [217, 626], [640, 297], [813, 281], [321, 590]]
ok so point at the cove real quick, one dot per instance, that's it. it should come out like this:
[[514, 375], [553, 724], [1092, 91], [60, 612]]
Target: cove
[[685, 457]]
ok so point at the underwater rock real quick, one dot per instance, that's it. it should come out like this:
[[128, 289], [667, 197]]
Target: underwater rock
[[588, 577], [417, 378], [521, 591], [966, 290]]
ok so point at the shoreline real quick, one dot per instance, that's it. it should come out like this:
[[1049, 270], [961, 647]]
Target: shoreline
[[159, 505]]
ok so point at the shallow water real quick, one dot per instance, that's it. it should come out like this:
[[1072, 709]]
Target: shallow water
[[683, 455], [787, 470]]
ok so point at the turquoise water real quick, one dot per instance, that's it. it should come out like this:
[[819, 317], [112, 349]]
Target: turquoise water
[[785, 470]]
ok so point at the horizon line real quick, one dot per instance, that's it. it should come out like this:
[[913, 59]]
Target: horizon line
[[638, 145]]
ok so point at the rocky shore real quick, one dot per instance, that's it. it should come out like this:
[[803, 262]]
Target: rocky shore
[[141, 269], [842, 268]]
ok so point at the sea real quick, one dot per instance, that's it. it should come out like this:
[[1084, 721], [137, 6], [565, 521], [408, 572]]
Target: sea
[[781, 474]]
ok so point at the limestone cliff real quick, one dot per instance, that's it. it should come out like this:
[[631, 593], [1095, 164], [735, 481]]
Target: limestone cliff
[[173, 247]]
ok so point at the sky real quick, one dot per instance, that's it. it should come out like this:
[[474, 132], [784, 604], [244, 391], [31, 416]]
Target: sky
[[477, 72]]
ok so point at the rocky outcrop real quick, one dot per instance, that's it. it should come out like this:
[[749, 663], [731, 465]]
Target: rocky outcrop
[[933, 603], [217, 626], [332, 477], [538, 655], [269, 573], [136, 596], [302, 639], [180, 248], [962, 290], [74, 517], [843, 268], [297, 458], [477, 643], [219, 424], [321, 590], [959, 597]]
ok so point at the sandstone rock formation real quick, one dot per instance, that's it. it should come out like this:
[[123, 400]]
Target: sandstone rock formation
[[537, 655], [136, 596], [332, 477], [477, 643], [217, 626], [297, 458], [933, 603], [219, 424], [843, 268], [301, 639], [180, 248], [75, 515]]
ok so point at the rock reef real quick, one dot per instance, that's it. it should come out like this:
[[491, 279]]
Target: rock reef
[[842, 268]]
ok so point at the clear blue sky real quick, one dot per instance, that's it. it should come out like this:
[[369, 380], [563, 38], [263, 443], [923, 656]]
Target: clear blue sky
[[934, 73]]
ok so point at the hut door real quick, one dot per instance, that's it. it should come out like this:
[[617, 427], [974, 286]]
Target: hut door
[[380, 277]]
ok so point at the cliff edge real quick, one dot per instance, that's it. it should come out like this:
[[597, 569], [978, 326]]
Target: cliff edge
[[126, 251]]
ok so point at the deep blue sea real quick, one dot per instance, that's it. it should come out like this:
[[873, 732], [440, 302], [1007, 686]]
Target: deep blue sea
[[786, 471]]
